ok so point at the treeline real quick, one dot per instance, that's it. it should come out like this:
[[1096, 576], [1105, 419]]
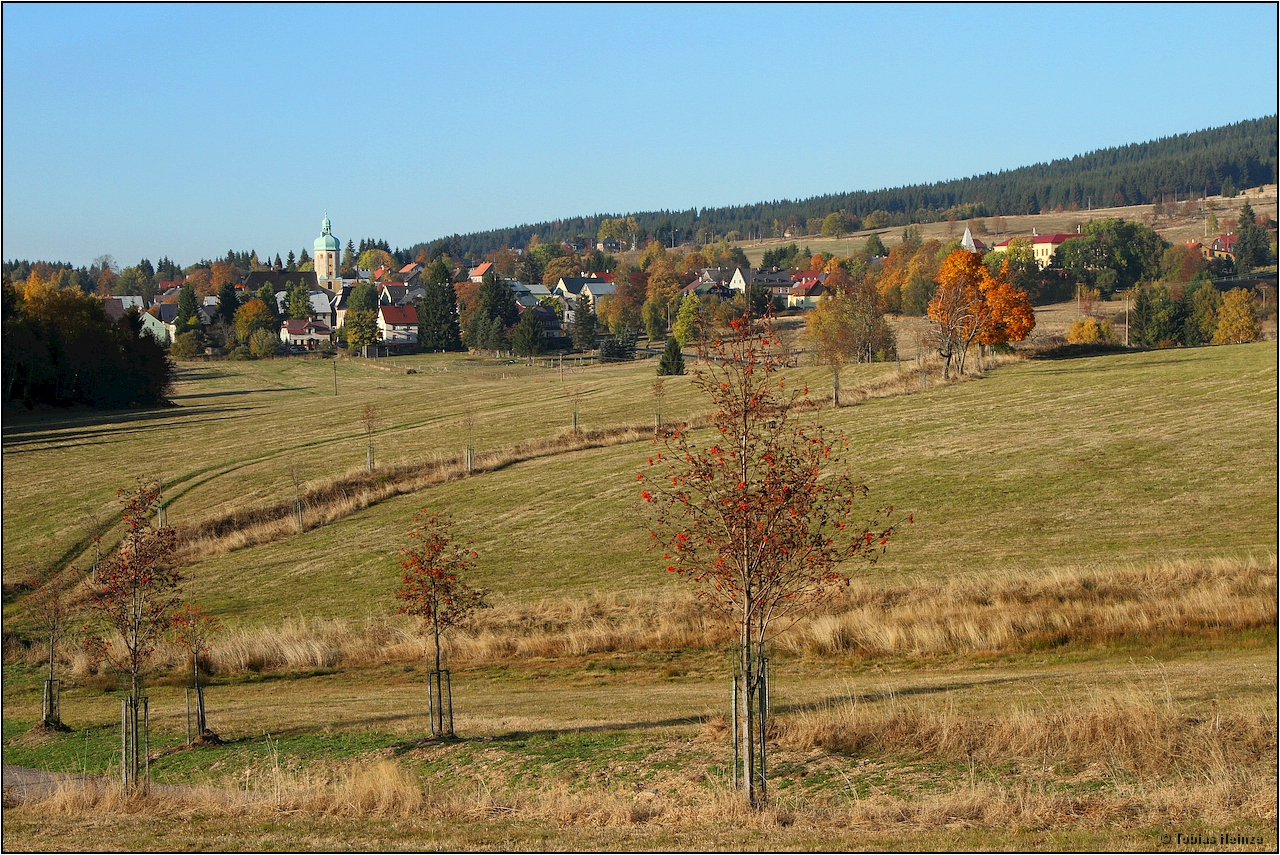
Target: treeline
[[61, 348], [1214, 161]]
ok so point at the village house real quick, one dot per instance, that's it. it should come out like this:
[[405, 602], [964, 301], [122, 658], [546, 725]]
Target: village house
[[1223, 246], [805, 294], [477, 273], [594, 287], [304, 333], [116, 307], [1043, 247], [776, 280], [398, 325]]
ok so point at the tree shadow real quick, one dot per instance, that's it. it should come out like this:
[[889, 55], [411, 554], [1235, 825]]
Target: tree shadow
[[888, 694], [55, 437]]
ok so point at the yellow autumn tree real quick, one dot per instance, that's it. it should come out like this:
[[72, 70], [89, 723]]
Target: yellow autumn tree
[[1236, 323]]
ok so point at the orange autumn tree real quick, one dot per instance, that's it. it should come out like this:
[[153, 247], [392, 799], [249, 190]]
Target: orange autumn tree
[[970, 305], [757, 514]]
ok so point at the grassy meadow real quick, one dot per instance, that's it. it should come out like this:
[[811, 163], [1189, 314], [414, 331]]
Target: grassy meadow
[[1073, 646]]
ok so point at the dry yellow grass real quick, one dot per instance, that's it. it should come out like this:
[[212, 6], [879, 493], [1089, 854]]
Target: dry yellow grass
[[1009, 612], [1000, 612]]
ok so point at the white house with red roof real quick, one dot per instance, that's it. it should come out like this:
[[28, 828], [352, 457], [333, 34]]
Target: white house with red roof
[[1043, 247], [307, 333], [398, 325], [804, 295], [477, 273]]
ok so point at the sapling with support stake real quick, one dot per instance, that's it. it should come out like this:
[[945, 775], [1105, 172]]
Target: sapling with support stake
[[432, 590], [50, 616], [758, 515], [132, 604], [192, 628]]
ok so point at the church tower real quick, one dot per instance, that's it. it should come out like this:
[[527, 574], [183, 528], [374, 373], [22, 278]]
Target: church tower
[[328, 264]]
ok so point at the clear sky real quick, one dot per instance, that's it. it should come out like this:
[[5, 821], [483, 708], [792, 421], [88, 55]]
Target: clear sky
[[150, 130]]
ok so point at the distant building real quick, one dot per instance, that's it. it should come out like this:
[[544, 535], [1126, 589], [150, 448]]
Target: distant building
[[1223, 246], [398, 325], [327, 255], [1043, 247], [969, 243], [305, 333]]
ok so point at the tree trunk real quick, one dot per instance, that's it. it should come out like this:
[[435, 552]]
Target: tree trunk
[[835, 384]]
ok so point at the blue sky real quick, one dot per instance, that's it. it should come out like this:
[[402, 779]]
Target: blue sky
[[152, 130]]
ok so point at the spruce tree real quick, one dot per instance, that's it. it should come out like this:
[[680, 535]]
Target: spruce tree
[[584, 323], [186, 310], [497, 301], [672, 361], [526, 339], [228, 303]]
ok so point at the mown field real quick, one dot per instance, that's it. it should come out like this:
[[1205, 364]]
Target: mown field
[[1072, 647]]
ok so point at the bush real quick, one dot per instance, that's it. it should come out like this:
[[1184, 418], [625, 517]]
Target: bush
[[1087, 330], [263, 343], [187, 345]]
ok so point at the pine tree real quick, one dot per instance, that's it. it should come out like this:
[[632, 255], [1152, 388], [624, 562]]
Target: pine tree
[[672, 361], [290, 262]]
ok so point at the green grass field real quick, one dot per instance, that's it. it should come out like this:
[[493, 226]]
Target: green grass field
[[1041, 468]]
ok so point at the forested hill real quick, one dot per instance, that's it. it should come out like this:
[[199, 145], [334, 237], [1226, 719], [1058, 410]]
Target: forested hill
[[1215, 161]]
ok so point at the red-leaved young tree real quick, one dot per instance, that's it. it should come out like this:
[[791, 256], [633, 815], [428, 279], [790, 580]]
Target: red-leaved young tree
[[133, 600], [757, 513], [192, 628], [432, 590]]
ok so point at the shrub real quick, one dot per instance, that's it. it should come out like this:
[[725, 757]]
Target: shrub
[[262, 343], [187, 345], [1088, 330]]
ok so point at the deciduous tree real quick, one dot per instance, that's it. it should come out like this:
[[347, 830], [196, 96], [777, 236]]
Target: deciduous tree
[[758, 515], [1236, 322], [133, 600], [432, 588], [192, 628], [251, 317]]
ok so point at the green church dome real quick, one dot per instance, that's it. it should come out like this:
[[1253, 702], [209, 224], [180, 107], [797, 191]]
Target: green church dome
[[326, 241]]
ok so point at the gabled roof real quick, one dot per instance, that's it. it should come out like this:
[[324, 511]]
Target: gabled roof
[[411, 267], [168, 312], [398, 315], [573, 284], [302, 326], [393, 293], [811, 288], [481, 269], [771, 276], [598, 287]]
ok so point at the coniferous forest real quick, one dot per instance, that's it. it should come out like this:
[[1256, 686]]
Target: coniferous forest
[[1209, 162]]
